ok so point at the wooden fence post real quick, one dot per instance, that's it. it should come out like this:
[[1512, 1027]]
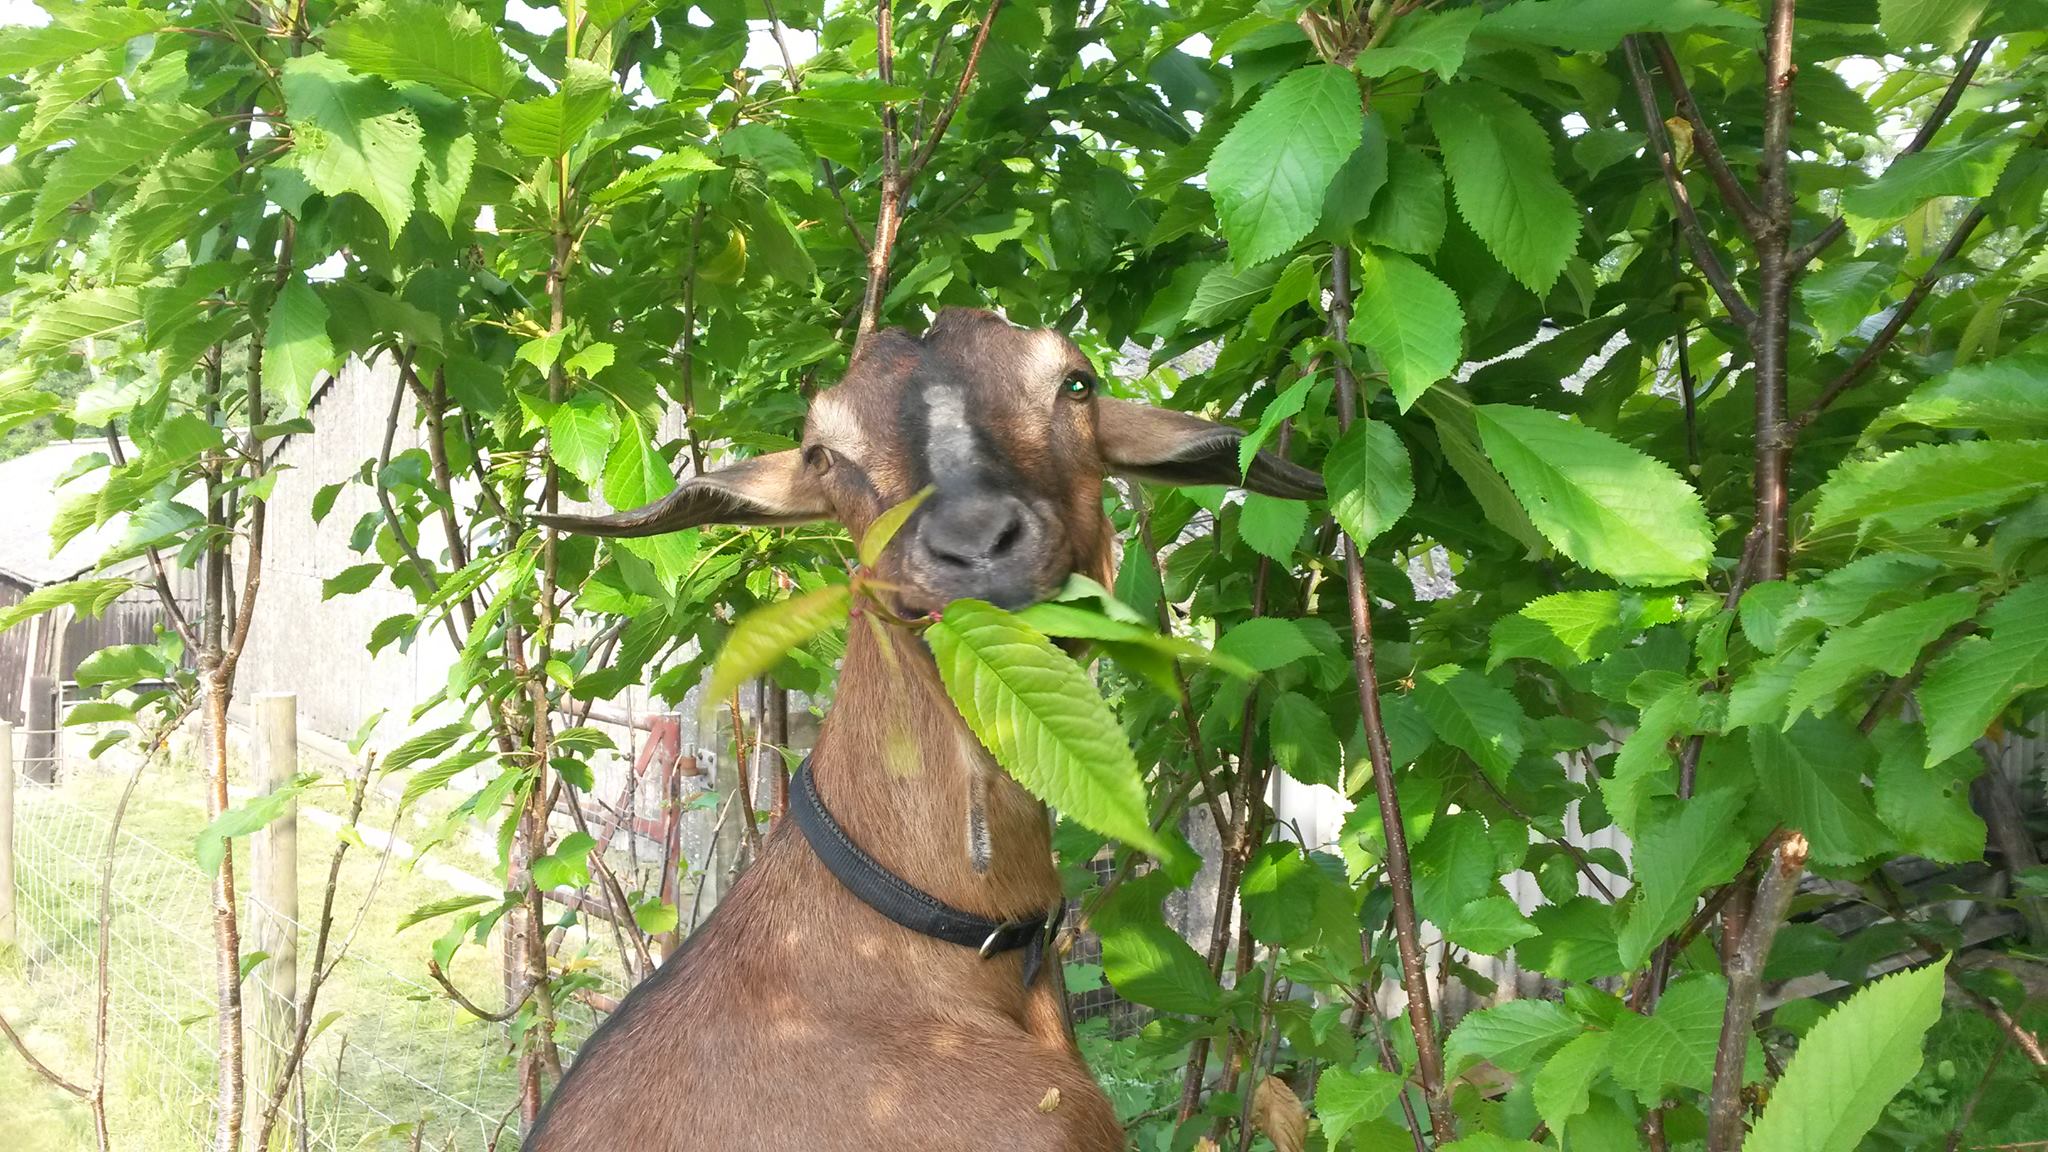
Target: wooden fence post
[[7, 932], [40, 762], [274, 911]]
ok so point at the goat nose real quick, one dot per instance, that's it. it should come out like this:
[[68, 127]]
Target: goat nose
[[976, 531]]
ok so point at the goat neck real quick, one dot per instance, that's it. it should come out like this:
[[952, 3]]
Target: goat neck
[[901, 772]]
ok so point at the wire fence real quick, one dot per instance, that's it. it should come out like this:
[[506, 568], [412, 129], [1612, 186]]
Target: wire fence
[[392, 1062]]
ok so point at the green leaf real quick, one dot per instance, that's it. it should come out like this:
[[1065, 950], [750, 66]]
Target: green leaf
[[353, 134], [1489, 926], [1264, 643], [1271, 526], [1147, 962], [1037, 712], [568, 866], [1454, 866], [682, 161], [1503, 179], [1471, 713], [443, 45], [1970, 169], [432, 778], [1917, 486], [1888, 642], [211, 846], [1458, 433], [1928, 809], [551, 125], [1944, 23], [1271, 171], [1562, 1088], [1696, 846], [121, 665], [1842, 296], [1812, 777], [296, 350], [1304, 744], [1850, 1065], [75, 32], [169, 200], [1970, 684], [1345, 1099], [98, 712], [1601, 502], [1226, 293], [424, 746], [95, 313], [350, 580], [581, 432], [1514, 1036], [1424, 41], [435, 909], [2003, 397], [1599, 25], [1279, 893], [1408, 214], [875, 540], [1674, 1045], [764, 636], [88, 598], [1410, 319], [1562, 630], [1369, 480], [115, 140], [1287, 404]]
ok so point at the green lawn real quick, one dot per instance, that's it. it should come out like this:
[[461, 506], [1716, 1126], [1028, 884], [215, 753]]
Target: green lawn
[[391, 1049]]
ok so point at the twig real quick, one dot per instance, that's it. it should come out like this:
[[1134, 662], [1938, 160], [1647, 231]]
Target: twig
[[40, 1068], [1882, 342], [1898, 689], [1367, 1002], [795, 80], [1572, 850], [1745, 984], [1704, 145], [1703, 253], [1955, 1135], [160, 577], [923, 155], [1429, 1061], [405, 544], [1965, 69], [511, 1009]]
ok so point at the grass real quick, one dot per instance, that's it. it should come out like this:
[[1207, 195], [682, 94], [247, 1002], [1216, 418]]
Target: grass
[[390, 1049]]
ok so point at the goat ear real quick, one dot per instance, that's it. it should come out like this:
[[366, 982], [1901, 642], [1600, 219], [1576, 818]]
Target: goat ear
[[1168, 447], [767, 490]]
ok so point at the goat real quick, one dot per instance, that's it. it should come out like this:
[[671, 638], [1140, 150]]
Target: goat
[[800, 1017]]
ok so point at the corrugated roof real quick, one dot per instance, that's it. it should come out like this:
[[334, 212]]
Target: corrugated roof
[[28, 484]]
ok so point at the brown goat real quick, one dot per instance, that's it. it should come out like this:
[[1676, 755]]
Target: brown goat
[[798, 1017]]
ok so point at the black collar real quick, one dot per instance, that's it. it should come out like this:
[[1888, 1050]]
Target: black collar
[[904, 902]]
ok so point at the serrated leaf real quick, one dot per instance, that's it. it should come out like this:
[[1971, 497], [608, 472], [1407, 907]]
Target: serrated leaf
[[1264, 643], [352, 134], [568, 866], [1271, 526], [440, 773], [1287, 404], [1270, 173], [1677, 858], [1471, 713], [1928, 809], [1304, 744], [1148, 963], [551, 125], [1408, 214], [1601, 502], [1943, 23], [1562, 630], [875, 540], [1562, 1088], [1424, 41], [1073, 621], [1514, 1036], [1888, 642], [1226, 293], [1410, 319], [1036, 712], [110, 143], [1489, 926], [679, 162], [1841, 296], [1599, 25], [2004, 397], [581, 432], [93, 314], [439, 44], [210, 848], [1345, 1099], [1917, 486], [1675, 1044], [296, 349], [1969, 169], [170, 201], [76, 32], [434, 909], [1812, 777], [424, 746], [1969, 685], [1369, 480], [88, 598], [764, 636], [1503, 178], [1850, 1065]]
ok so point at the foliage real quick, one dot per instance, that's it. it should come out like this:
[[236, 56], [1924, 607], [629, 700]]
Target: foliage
[[1704, 544]]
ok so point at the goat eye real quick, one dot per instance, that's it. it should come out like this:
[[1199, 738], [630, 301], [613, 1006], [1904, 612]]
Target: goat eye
[[1079, 386], [818, 458]]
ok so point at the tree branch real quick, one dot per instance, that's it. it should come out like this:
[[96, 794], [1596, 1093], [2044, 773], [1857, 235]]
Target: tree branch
[[1703, 254], [1882, 342], [1429, 1061], [1745, 985], [945, 117], [38, 1067], [1704, 143], [796, 84], [1965, 69]]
